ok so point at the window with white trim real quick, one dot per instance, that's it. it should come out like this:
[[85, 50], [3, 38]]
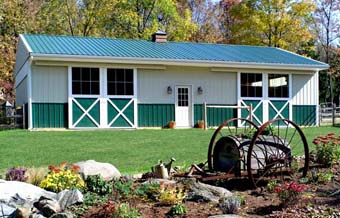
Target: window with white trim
[[120, 81], [85, 81], [278, 85], [251, 84]]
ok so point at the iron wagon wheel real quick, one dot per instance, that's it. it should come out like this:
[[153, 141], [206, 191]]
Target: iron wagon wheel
[[231, 128], [277, 149]]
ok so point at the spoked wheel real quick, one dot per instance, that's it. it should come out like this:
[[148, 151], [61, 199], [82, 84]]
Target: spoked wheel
[[279, 148], [224, 153]]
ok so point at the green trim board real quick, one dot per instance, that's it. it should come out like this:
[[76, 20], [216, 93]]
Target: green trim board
[[112, 112], [77, 112], [49, 115], [215, 116], [305, 115], [257, 110], [155, 115], [279, 106]]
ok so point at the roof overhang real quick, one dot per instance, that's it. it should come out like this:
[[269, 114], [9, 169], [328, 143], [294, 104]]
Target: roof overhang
[[174, 62]]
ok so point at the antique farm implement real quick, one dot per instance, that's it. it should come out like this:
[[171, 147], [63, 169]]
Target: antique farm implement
[[239, 148]]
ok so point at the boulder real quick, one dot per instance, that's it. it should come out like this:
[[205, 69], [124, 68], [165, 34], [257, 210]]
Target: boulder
[[5, 210], [160, 181], [68, 197], [203, 192], [91, 167], [21, 194], [47, 206]]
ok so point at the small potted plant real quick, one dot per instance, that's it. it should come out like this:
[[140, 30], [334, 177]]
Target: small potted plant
[[200, 124], [172, 124]]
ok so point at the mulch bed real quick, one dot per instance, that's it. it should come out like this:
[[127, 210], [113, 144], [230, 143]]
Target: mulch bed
[[315, 201]]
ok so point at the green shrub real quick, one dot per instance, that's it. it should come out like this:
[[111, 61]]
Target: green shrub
[[324, 177], [149, 191], [125, 211], [327, 149], [96, 184], [271, 184], [123, 188], [178, 209], [90, 199]]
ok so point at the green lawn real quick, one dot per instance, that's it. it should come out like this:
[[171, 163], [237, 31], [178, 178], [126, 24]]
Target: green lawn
[[129, 150]]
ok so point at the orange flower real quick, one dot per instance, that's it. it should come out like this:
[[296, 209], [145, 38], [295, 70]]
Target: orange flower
[[63, 164], [74, 168], [316, 141]]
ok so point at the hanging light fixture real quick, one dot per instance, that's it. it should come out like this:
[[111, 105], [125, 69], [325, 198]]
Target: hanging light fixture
[[200, 90], [169, 90]]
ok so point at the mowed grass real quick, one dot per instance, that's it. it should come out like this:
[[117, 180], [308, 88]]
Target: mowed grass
[[131, 151]]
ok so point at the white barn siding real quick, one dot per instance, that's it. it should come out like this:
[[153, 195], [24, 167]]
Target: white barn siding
[[305, 89], [22, 55], [218, 87], [21, 93], [49, 84]]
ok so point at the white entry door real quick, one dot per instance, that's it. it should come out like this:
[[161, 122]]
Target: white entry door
[[183, 106]]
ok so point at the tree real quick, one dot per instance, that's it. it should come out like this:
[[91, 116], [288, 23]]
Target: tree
[[276, 23], [138, 19], [327, 27], [16, 16], [207, 16], [74, 17], [227, 19]]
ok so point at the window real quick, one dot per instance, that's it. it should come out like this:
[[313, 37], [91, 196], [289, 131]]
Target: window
[[251, 85], [183, 97], [278, 86], [120, 81], [85, 81]]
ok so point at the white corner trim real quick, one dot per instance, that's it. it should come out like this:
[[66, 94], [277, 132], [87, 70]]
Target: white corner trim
[[22, 37], [135, 93], [29, 94], [70, 105]]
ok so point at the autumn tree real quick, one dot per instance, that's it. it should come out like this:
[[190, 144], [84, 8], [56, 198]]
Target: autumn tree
[[227, 20], [207, 15], [327, 27], [73, 17], [139, 19], [277, 23], [16, 16]]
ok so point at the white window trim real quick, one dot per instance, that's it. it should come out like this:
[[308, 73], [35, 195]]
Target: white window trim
[[103, 98], [265, 98]]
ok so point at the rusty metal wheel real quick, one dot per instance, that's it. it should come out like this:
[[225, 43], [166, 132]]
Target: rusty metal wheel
[[227, 145], [279, 148]]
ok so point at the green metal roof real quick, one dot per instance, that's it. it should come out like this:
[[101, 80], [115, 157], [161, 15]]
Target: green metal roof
[[184, 51]]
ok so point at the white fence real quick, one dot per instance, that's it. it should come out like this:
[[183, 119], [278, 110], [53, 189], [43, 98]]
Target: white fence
[[329, 113]]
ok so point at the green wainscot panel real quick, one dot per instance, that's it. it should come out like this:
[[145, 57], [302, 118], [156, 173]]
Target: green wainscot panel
[[304, 115], [112, 112], [155, 115], [258, 112], [77, 112], [215, 116], [49, 115], [278, 106]]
